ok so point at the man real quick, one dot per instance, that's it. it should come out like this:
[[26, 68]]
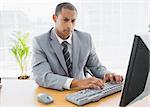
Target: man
[[62, 55]]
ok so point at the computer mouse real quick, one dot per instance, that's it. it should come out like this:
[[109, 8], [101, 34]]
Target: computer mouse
[[44, 98]]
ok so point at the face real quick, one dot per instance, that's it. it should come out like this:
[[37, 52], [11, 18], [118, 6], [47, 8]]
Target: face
[[65, 22]]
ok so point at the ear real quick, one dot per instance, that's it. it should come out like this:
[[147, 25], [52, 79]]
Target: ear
[[54, 18]]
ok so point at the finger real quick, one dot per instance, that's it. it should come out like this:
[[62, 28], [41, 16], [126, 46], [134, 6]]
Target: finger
[[98, 82], [110, 76], [121, 78], [106, 79], [93, 86], [97, 87], [118, 78], [101, 83]]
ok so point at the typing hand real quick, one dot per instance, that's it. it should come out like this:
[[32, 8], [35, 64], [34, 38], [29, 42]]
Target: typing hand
[[92, 82], [112, 77]]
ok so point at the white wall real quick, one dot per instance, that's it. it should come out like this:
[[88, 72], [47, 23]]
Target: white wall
[[112, 24]]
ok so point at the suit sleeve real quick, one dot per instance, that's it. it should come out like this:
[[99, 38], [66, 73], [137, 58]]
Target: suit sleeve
[[42, 72], [93, 63]]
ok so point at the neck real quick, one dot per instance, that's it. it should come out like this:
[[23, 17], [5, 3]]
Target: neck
[[61, 36]]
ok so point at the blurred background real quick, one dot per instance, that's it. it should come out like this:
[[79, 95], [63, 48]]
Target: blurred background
[[112, 24]]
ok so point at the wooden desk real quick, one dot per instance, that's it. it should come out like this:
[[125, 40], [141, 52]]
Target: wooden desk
[[22, 93]]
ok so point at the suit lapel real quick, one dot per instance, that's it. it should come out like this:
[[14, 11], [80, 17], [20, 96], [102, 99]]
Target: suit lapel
[[75, 51], [57, 48]]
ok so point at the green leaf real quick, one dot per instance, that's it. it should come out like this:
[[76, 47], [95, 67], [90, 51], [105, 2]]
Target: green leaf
[[19, 47]]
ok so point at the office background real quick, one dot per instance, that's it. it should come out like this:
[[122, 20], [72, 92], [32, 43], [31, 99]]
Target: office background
[[112, 24]]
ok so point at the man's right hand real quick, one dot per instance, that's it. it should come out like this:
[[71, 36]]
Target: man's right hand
[[92, 82]]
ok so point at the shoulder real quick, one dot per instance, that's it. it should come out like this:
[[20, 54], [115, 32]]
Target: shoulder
[[82, 35], [81, 32], [41, 40], [42, 37]]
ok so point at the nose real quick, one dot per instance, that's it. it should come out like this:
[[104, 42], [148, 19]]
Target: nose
[[69, 25]]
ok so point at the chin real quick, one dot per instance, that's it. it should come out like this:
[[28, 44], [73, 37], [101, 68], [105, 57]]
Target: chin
[[66, 37]]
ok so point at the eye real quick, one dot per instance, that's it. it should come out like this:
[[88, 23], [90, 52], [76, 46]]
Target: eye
[[66, 20], [73, 21]]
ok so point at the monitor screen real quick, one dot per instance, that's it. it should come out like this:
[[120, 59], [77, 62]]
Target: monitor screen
[[137, 73]]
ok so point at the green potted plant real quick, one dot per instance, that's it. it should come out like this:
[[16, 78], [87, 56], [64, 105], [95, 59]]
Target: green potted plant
[[20, 51]]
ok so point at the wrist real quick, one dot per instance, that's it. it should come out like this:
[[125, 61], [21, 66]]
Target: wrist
[[74, 83]]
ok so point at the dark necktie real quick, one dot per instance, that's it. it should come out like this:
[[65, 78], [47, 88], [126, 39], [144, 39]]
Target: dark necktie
[[67, 57]]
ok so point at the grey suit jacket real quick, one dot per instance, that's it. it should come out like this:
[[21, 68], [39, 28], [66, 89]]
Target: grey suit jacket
[[48, 64]]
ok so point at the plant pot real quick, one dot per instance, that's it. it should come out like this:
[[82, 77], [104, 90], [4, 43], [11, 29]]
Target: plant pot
[[24, 77]]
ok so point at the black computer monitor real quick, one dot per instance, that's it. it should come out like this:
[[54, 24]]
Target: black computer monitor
[[137, 73]]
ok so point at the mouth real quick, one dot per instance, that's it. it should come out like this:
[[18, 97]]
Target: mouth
[[67, 31]]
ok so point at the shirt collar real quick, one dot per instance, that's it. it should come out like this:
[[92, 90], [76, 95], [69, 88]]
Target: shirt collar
[[61, 40]]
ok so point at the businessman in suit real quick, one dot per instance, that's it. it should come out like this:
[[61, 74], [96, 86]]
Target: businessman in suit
[[62, 55]]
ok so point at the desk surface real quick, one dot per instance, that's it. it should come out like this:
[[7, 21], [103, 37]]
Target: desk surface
[[22, 93]]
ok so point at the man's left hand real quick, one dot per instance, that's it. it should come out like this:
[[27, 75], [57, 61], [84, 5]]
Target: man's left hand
[[112, 77]]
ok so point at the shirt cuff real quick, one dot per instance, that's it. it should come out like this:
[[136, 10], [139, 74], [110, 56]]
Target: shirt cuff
[[68, 83]]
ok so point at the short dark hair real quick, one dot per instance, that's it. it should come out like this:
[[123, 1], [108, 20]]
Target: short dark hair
[[65, 5]]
